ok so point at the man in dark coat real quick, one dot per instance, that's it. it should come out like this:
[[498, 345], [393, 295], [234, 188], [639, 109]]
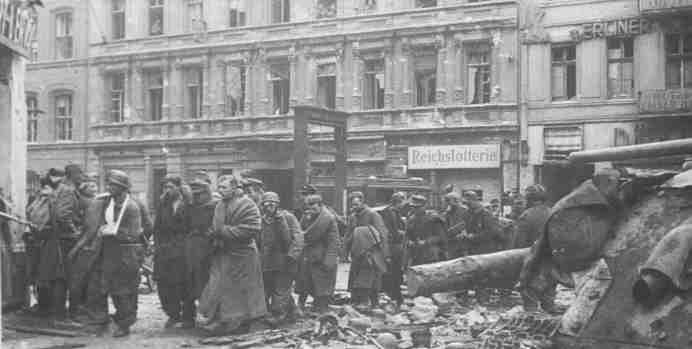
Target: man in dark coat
[[68, 225], [170, 233], [425, 234], [234, 295], [278, 265], [199, 215], [483, 233], [455, 223], [79, 268], [393, 220], [319, 261], [115, 223], [369, 250]]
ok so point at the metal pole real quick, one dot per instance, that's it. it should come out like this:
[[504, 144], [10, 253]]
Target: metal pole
[[648, 150]]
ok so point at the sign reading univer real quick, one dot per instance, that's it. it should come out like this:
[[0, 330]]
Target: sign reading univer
[[454, 156], [619, 27]]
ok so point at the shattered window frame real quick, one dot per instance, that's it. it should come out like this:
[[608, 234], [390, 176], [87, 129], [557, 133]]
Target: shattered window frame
[[279, 76], [194, 91], [424, 77], [373, 84], [154, 94], [478, 73]]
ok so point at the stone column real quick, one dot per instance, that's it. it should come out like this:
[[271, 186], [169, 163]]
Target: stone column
[[166, 104], [460, 73], [389, 76], [148, 179], [450, 70], [206, 90], [441, 73], [218, 95], [177, 91], [310, 79], [357, 63], [339, 78], [249, 87], [295, 81], [406, 97]]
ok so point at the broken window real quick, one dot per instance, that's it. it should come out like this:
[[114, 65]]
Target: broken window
[[478, 73], [564, 72], [620, 67], [237, 13], [678, 61], [63, 35], [326, 8], [235, 95], [195, 19], [118, 19], [559, 142], [154, 95], [32, 120], [155, 17], [425, 66], [280, 81], [281, 11], [373, 89], [326, 85], [426, 3], [63, 116], [193, 88], [117, 90]]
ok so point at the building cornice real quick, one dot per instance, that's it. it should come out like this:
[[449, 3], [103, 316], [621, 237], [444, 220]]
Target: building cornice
[[56, 64]]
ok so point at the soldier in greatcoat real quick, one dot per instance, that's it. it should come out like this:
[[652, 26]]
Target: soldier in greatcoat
[[198, 219], [394, 221], [367, 242], [170, 233], [425, 233], [317, 276]]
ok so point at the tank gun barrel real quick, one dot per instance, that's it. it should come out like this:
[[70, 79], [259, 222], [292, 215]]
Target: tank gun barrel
[[639, 151]]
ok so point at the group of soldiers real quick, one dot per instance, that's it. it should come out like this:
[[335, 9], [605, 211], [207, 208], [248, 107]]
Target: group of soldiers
[[233, 254]]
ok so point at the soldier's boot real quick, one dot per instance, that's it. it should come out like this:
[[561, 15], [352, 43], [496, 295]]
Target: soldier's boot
[[121, 332]]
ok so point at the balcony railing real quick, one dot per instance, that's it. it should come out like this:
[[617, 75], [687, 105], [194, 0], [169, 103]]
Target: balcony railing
[[666, 101], [17, 26], [420, 118], [664, 6]]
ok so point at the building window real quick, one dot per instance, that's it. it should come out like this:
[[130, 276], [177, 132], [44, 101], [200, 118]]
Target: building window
[[425, 76], [63, 35], [478, 74], [193, 86], [281, 84], [32, 122], [326, 8], [373, 89], [155, 17], [118, 19], [281, 11], [559, 142], [195, 16], [63, 116], [426, 3], [326, 86], [237, 13], [237, 82], [564, 72], [34, 51], [154, 95], [370, 5], [117, 90], [679, 61], [620, 67]]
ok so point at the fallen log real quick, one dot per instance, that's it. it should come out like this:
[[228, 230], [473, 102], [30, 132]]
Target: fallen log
[[494, 270], [42, 331]]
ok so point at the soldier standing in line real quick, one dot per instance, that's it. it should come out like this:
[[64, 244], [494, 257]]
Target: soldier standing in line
[[455, 219], [425, 234], [279, 266], [483, 233], [170, 233], [199, 215], [393, 220]]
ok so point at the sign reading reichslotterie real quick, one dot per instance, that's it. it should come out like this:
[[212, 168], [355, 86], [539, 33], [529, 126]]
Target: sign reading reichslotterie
[[454, 156]]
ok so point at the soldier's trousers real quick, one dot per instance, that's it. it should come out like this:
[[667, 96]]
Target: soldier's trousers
[[176, 302], [277, 290], [125, 309], [393, 278]]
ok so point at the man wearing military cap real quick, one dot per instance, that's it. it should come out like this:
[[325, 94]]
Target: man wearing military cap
[[393, 220], [425, 233], [280, 230], [169, 260], [455, 224], [114, 224]]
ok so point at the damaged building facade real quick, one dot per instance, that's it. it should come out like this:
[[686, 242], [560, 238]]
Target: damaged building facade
[[600, 74], [159, 86]]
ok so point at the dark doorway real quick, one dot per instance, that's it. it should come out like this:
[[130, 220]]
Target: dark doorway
[[279, 181]]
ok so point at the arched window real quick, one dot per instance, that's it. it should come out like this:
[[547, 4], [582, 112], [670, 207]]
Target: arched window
[[63, 116]]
